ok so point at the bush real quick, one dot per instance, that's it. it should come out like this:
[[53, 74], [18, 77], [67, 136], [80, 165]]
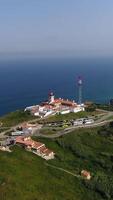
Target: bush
[[16, 117], [111, 124], [91, 108]]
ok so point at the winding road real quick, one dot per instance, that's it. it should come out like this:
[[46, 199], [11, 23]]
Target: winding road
[[106, 118], [99, 122]]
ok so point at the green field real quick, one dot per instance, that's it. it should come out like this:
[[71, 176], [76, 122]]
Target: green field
[[25, 176], [15, 118], [48, 130], [105, 107]]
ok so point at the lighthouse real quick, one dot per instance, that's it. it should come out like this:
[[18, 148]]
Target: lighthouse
[[51, 97]]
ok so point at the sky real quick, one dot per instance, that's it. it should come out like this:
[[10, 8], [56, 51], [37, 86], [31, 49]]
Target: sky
[[56, 27]]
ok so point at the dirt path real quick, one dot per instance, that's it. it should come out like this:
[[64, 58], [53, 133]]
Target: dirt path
[[64, 170]]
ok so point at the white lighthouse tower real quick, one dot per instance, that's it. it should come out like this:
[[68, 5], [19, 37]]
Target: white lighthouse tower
[[51, 97]]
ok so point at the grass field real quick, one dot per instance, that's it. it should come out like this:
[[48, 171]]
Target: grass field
[[48, 130], [15, 118], [105, 107], [25, 176]]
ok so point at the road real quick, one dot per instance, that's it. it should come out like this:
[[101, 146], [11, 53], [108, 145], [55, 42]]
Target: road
[[3, 134], [70, 129], [105, 117], [99, 122]]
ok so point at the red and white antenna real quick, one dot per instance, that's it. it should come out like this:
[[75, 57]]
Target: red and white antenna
[[80, 80], [80, 84]]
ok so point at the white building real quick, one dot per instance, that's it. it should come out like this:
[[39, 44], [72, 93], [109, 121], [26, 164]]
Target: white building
[[53, 106]]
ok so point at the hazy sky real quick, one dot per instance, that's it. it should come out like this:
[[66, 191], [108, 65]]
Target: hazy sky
[[55, 27]]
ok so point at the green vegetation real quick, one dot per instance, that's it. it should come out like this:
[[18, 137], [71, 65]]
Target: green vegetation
[[15, 118], [70, 116], [3, 129], [91, 150], [91, 108], [48, 131], [106, 131], [25, 176], [105, 107], [110, 118]]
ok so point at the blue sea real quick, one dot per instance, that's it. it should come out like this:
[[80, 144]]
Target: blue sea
[[27, 81]]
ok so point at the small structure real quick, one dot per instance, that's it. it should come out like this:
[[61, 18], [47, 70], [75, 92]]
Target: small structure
[[85, 174], [78, 122], [29, 128], [16, 133], [36, 147], [7, 142], [88, 121]]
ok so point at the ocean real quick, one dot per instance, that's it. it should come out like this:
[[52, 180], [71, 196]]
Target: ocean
[[27, 81]]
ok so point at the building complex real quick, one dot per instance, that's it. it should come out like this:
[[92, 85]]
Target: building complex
[[36, 147], [55, 106]]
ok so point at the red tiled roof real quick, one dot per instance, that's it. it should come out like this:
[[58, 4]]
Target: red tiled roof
[[57, 101], [64, 102], [28, 142], [33, 144], [68, 103], [48, 152], [45, 150], [38, 145], [19, 139], [85, 173]]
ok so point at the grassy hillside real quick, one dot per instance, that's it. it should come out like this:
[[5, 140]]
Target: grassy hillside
[[15, 118], [26, 176], [91, 150]]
